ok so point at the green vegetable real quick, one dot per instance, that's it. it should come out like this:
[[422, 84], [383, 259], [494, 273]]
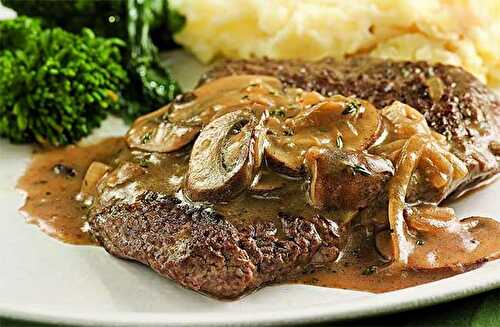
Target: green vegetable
[[154, 84], [56, 86], [139, 22]]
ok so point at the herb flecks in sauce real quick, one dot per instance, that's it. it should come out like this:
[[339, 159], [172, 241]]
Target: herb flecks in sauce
[[52, 183]]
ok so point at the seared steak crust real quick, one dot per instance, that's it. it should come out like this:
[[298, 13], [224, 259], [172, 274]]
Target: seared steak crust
[[201, 250], [463, 109]]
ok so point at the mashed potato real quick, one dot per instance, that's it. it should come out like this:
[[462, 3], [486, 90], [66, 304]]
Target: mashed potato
[[459, 32]]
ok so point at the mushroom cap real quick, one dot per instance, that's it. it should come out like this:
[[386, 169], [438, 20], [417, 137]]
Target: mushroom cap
[[177, 124], [336, 122], [156, 133], [222, 162]]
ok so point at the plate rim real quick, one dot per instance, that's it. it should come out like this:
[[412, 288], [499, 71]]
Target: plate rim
[[390, 302]]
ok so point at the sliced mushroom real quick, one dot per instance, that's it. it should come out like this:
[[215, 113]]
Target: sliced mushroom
[[357, 122], [345, 179], [177, 124], [126, 172], [229, 83], [338, 122], [94, 175], [266, 182], [155, 132], [222, 162], [283, 156]]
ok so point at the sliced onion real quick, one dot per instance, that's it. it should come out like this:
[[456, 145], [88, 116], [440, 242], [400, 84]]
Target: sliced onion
[[398, 186]]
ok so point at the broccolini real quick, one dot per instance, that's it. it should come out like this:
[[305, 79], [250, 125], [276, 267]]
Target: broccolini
[[143, 24], [56, 86]]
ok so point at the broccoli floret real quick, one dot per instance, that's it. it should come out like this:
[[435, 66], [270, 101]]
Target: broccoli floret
[[56, 86], [143, 24], [18, 33]]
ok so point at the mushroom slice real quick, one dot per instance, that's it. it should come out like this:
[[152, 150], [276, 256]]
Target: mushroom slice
[[222, 162], [177, 124], [233, 82], [345, 179], [337, 122], [94, 175], [154, 132], [283, 156], [356, 122], [126, 172]]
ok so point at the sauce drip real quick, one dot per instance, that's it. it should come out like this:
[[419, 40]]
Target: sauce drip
[[354, 270], [51, 196]]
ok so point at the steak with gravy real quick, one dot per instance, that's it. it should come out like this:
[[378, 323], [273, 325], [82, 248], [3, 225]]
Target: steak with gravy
[[260, 225]]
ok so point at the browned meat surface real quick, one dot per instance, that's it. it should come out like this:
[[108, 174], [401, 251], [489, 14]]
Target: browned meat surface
[[453, 101], [202, 251]]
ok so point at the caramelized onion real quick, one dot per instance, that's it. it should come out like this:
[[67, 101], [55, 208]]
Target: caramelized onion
[[436, 88], [495, 147], [398, 187], [442, 241], [442, 168], [404, 121], [452, 242]]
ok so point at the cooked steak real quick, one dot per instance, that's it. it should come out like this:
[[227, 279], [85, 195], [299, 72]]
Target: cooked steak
[[200, 250], [454, 102], [210, 250]]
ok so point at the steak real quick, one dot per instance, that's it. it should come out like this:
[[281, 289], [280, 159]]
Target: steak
[[202, 250]]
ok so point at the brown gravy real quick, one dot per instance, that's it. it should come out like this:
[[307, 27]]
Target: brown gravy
[[51, 198], [354, 271], [51, 204]]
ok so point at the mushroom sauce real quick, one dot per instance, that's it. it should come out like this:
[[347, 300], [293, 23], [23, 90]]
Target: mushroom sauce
[[270, 150]]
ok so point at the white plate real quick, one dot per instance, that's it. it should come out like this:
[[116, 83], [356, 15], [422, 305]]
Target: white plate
[[45, 280]]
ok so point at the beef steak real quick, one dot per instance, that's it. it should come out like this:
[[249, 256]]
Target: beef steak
[[200, 249]]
